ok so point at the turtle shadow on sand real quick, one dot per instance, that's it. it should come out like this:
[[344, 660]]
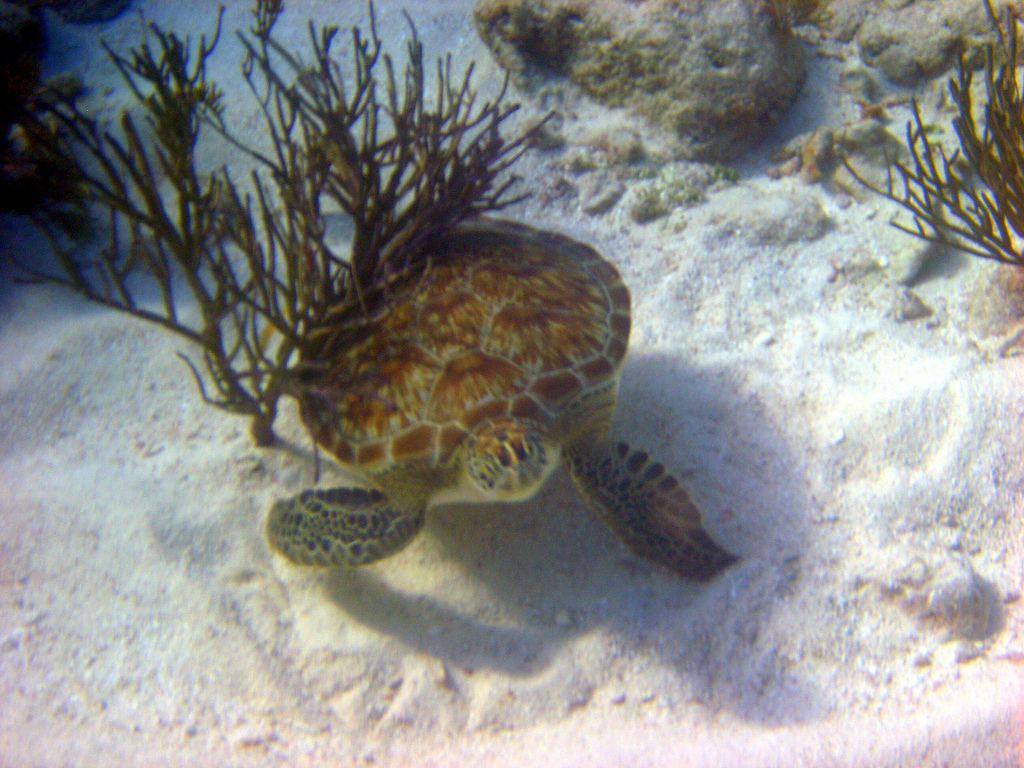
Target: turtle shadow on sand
[[552, 573]]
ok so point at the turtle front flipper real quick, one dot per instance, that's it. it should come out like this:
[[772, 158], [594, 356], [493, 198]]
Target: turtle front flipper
[[647, 508], [341, 526]]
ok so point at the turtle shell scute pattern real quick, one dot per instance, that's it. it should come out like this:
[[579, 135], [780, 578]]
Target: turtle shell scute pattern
[[506, 320]]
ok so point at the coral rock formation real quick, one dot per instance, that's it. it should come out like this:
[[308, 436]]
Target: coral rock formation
[[715, 72]]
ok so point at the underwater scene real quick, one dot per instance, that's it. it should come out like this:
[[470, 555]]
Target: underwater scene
[[512, 382]]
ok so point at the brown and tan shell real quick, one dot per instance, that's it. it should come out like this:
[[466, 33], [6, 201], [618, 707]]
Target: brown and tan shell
[[507, 320]]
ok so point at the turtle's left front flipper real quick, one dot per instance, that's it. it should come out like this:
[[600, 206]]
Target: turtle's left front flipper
[[648, 509], [342, 526]]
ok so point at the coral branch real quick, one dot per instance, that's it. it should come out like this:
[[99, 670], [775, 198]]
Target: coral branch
[[402, 171], [271, 296], [973, 199]]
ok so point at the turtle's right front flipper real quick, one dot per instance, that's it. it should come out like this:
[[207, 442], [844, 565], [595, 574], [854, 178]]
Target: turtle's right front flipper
[[341, 526], [648, 509]]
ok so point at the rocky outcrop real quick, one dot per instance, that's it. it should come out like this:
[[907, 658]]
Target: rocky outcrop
[[912, 40], [716, 73]]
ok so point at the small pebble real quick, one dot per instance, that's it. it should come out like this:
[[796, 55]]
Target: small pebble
[[250, 465], [968, 652], [250, 740], [908, 306], [922, 659], [443, 677], [580, 700], [602, 197], [547, 136]]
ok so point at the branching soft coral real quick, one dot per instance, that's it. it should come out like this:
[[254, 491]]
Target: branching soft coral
[[272, 296], [972, 199]]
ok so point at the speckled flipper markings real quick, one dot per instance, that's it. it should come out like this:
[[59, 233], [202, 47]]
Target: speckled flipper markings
[[341, 526], [647, 508]]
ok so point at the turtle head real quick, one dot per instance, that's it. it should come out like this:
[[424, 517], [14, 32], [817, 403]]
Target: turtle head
[[509, 459]]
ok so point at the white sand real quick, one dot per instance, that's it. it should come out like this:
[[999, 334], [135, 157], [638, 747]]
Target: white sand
[[844, 455]]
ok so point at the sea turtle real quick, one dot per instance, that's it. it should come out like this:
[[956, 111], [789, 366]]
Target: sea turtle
[[471, 383]]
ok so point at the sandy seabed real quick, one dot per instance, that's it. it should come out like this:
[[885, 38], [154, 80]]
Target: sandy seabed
[[867, 470]]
